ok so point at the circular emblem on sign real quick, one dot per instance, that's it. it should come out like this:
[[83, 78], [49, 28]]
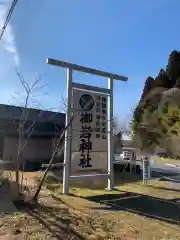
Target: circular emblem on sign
[[86, 102]]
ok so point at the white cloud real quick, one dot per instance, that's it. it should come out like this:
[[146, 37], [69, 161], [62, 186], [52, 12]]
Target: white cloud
[[8, 42]]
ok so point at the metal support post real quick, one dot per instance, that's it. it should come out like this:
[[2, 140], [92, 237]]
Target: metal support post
[[68, 134], [110, 134]]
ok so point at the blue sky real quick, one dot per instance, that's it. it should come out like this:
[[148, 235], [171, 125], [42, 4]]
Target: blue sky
[[132, 38]]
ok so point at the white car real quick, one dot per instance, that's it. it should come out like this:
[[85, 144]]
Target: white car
[[127, 155]]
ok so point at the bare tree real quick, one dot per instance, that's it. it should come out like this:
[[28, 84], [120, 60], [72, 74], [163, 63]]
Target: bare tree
[[25, 127], [58, 146]]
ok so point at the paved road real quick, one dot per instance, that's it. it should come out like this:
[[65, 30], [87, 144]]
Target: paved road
[[160, 169], [164, 168], [165, 171]]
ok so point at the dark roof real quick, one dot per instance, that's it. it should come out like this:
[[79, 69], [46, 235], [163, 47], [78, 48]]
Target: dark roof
[[15, 113], [46, 122]]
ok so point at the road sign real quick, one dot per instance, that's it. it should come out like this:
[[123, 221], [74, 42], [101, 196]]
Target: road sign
[[146, 168]]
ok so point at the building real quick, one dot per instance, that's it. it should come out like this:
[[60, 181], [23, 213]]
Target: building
[[40, 141], [39, 128]]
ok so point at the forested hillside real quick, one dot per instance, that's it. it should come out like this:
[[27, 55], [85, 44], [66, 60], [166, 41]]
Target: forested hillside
[[156, 118]]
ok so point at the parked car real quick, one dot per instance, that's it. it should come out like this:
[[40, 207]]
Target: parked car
[[127, 155], [126, 161]]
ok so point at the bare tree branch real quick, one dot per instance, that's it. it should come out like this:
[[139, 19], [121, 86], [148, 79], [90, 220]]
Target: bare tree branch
[[24, 131], [53, 156]]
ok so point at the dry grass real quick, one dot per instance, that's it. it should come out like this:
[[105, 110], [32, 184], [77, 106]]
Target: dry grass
[[128, 214], [134, 211]]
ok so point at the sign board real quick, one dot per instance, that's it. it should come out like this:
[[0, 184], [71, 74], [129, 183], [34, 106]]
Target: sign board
[[89, 131], [90, 123], [146, 168]]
